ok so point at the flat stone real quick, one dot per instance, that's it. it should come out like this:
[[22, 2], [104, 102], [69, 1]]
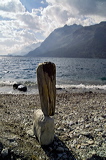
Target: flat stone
[[87, 125], [90, 142], [85, 133], [99, 130], [84, 144]]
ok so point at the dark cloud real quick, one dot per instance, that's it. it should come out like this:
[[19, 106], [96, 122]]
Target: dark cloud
[[84, 7], [87, 7], [91, 7]]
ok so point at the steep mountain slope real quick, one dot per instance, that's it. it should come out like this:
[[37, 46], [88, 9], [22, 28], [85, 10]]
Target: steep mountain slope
[[74, 41]]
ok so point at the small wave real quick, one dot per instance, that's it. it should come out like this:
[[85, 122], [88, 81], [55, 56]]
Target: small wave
[[6, 71], [26, 83], [81, 86], [7, 83]]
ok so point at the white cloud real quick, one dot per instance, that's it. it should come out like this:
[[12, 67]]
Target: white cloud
[[19, 28], [42, 2], [16, 27], [11, 6], [85, 8], [56, 13], [13, 38], [30, 20]]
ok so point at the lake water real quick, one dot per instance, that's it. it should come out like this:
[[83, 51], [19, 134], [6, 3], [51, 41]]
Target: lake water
[[70, 72]]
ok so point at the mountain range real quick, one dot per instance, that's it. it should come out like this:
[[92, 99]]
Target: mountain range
[[74, 41]]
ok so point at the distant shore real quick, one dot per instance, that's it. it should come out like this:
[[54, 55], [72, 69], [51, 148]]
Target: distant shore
[[80, 126]]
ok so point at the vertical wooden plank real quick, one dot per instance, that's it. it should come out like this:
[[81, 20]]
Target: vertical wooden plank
[[46, 78]]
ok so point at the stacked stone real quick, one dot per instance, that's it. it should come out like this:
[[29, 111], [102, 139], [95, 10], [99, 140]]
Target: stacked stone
[[43, 122]]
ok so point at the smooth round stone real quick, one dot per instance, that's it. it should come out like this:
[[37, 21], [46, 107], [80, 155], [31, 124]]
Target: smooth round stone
[[5, 152], [60, 149]]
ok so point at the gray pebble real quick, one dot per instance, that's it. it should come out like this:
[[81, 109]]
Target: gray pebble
[[71, 123], [99, 130], [4, 152], [60, 149], [65, 156], [60, 155], [55, 143]]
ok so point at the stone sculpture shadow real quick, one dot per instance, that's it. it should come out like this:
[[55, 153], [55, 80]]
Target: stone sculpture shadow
[[57, 150]]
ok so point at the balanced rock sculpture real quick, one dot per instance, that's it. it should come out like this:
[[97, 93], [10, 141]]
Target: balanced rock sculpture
[[43, 126]]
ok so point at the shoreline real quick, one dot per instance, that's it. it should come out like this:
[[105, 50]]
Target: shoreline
[[80, 126], [8, 89]]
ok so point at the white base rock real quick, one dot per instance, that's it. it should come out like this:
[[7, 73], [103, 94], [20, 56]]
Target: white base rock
[[43, 127]]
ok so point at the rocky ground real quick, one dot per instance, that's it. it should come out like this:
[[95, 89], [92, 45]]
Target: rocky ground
[[80, 127]]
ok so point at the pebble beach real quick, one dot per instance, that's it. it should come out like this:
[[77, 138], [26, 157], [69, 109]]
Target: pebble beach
[[80, 127]]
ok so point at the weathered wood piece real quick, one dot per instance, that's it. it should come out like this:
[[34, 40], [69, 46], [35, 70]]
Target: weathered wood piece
[[46, 77]]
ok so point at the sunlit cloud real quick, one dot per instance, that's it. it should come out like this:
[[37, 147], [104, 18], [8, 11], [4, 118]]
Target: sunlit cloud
[[11, 6], [20, 27]]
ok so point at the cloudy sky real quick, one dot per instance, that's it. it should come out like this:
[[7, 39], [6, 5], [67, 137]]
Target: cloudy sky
[[26, 22]]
